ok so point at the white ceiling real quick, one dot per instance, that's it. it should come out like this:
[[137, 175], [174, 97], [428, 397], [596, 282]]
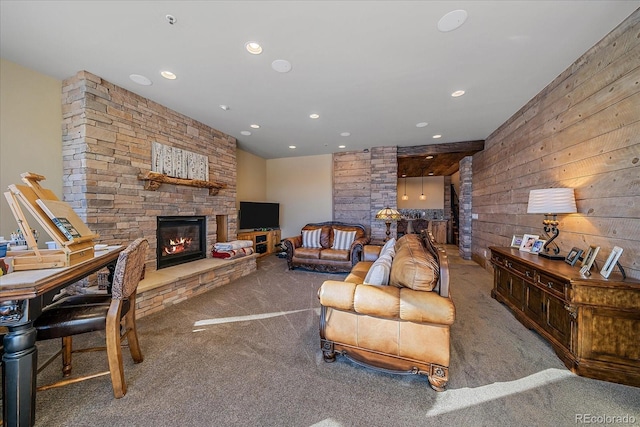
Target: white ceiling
[[371, 68]]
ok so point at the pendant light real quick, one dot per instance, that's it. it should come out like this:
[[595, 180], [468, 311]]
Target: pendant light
[[405, 197], [422, 196]]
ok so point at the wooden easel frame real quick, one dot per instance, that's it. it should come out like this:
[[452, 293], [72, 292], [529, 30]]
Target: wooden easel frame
[[72, 251]]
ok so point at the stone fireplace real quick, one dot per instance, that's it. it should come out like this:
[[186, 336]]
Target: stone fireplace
[[107, 138], [181, 239], [108, 133]]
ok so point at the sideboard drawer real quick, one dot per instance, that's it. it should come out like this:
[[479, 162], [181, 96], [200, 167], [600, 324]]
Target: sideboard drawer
[[552, 284], [520, 269]]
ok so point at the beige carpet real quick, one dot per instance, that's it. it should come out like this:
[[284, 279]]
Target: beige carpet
[[247, 354]]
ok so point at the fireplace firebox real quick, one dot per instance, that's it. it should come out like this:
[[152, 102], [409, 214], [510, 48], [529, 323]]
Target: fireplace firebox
[[180, 239]]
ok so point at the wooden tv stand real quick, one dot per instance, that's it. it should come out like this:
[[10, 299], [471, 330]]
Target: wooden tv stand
[[264, 242], [591, 322]]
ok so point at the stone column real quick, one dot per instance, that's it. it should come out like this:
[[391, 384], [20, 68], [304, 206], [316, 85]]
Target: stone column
[[466, 187], [384, 188]]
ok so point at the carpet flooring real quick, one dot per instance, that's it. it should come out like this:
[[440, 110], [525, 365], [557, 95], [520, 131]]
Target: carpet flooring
[[247, 354]]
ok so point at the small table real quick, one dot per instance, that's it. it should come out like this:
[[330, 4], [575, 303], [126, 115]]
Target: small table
[[23, 295]]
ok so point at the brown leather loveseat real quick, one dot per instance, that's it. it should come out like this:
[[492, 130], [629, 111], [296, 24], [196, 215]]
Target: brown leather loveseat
[[402, 326], [326, 246]]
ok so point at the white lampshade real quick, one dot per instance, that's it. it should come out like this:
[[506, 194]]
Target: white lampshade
[[552, 201]]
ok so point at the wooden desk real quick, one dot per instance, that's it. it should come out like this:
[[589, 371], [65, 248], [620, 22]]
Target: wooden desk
[[23, 294]]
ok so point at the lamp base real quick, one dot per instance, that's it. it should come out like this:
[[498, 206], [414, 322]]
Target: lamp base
[[552, 256]]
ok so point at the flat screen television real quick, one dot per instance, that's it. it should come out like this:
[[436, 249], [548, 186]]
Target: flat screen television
[[258, 215]]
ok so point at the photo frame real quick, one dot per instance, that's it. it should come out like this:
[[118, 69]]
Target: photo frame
[[537, 246], [572, 256], [527, 242], [611, 261], [589, 259], [516, 241]]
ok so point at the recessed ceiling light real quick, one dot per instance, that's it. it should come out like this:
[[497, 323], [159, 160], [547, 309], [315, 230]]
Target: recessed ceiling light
[[314, 116], [342, 146], [171, 19], [452, 20], [457, 93], [253, 48], [429, 157], [292, 147], [140, 79], [421, 124], [224, 107], [246, 132], [168, 75], [345, 134], [281, 65], [255, 126], [437, 136], [430, 173]]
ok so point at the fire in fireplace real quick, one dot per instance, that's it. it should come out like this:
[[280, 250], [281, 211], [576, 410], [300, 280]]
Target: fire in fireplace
[[180, 239]]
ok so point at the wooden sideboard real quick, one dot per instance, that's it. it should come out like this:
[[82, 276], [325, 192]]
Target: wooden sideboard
[[592, 323], [264, 242]]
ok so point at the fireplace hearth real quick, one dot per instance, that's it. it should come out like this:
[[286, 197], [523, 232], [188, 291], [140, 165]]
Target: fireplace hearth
[[181, 239]]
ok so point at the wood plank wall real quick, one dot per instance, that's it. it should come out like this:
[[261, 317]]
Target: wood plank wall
[[581, 131], [352, 188]]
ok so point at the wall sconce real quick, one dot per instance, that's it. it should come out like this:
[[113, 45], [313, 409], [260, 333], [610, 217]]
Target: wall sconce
[[387, 215], [422, 196], [405, 197], [550, 202]]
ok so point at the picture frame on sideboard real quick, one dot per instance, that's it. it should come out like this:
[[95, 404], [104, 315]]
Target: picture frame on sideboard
[[516, 241], [537, 246], [527, 242], [589, 259], [572, 256], [611, 261]]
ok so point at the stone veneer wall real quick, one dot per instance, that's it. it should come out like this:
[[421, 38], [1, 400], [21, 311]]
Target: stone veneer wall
[[107, 135], [364, 183], [384, 188], [159, 297]]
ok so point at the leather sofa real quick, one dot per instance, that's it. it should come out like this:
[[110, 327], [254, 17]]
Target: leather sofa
[[402, 327], [325, 254]]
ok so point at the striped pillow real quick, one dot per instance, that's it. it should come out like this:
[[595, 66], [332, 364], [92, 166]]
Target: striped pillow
[[379, 271], [311, 238], [342, 240]]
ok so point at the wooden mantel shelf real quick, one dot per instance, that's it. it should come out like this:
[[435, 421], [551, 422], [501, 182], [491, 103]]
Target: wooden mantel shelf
[[153, 181]]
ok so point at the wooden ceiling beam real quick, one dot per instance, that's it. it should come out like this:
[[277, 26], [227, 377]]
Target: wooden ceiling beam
[[447, 147], [413, 162]]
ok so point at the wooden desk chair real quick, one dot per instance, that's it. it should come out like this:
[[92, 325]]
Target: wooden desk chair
[[78, 314]]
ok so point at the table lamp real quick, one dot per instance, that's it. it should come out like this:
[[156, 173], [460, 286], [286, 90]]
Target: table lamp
[[387, 215], [551, 202]]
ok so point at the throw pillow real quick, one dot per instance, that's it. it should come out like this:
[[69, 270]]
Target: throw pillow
[[389, 247], [342, 240], [379, 271], [311, 238]]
